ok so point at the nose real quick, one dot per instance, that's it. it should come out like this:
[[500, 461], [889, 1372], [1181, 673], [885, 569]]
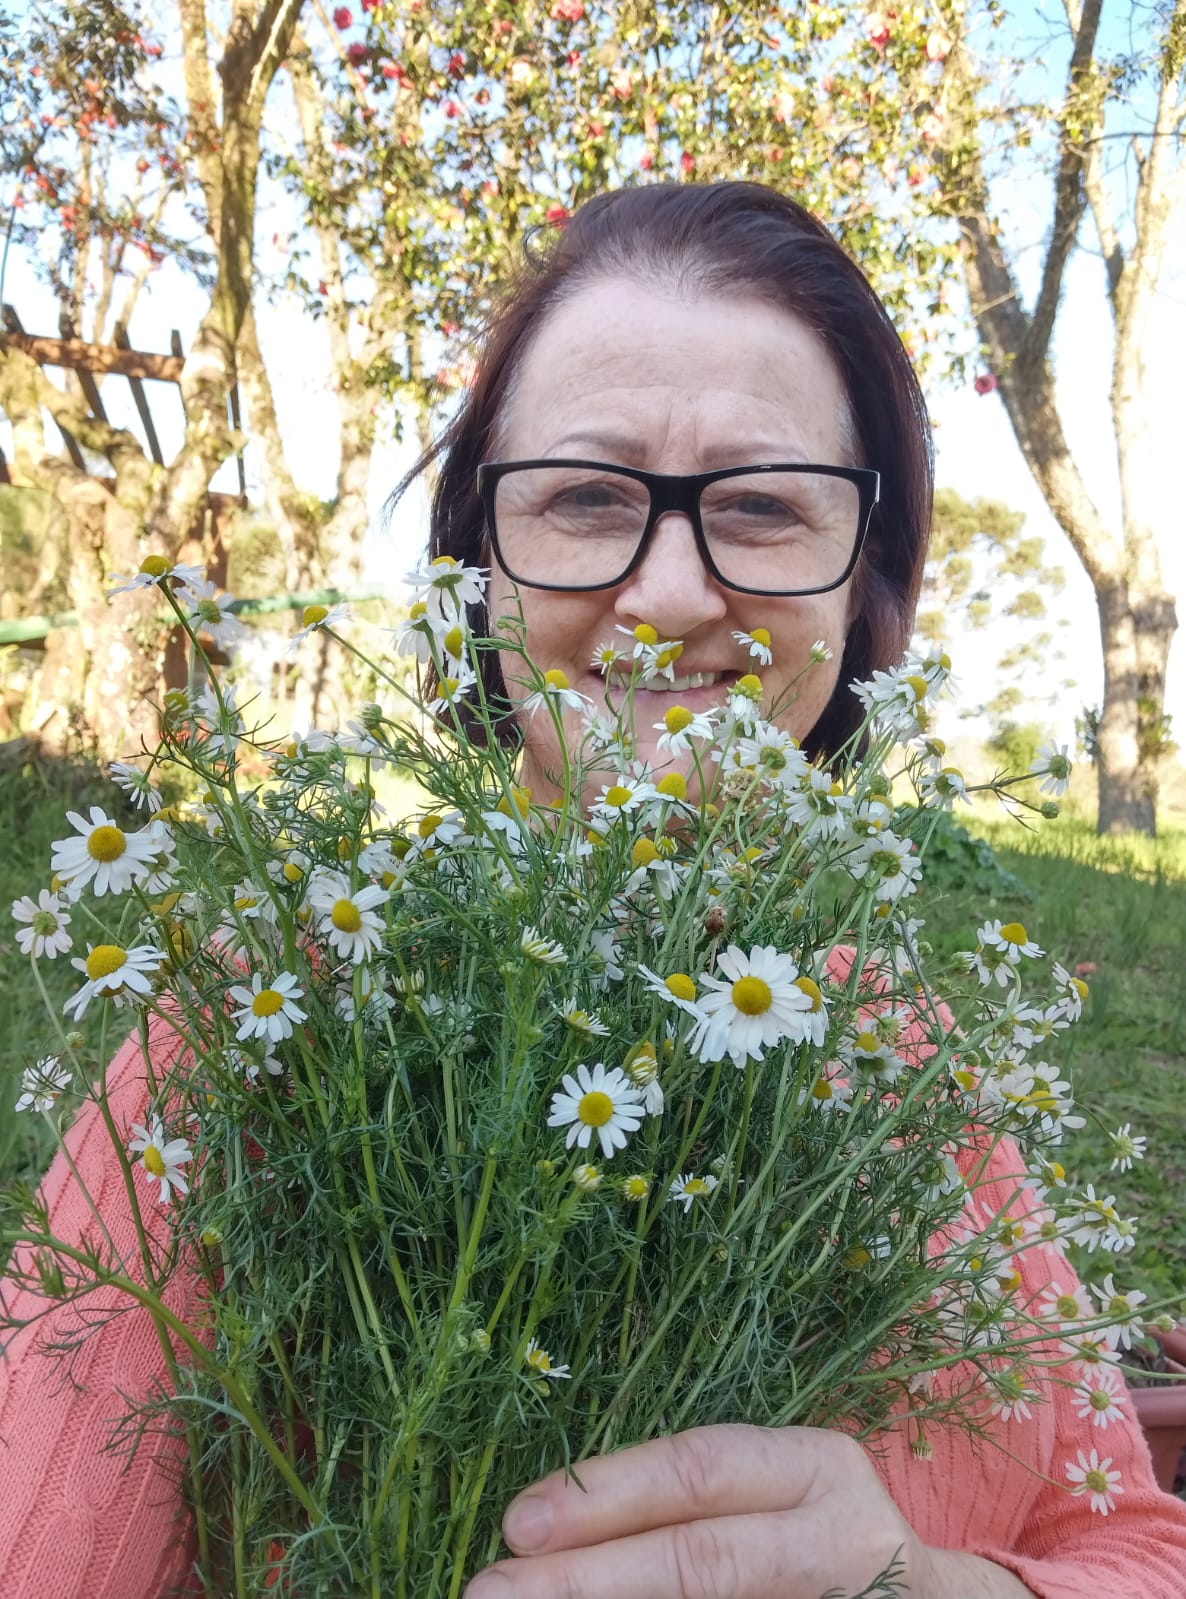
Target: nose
[[671, 588]]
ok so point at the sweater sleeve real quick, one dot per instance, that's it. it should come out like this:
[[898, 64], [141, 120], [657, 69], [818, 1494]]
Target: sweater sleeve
[[80, 1516], [1070, 1545]]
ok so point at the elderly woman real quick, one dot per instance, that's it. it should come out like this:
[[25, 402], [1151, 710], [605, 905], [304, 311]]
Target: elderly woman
[[694, 414]]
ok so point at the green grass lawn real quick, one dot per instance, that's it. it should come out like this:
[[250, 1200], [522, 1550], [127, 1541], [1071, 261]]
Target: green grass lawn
[[1120, 904]]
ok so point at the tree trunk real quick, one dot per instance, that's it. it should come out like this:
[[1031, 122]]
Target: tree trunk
[[1135, 632]]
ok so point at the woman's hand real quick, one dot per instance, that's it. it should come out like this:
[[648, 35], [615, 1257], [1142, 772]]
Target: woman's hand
[[723, 1513]]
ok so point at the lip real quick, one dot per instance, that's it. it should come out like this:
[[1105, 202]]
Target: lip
[[650, 705]]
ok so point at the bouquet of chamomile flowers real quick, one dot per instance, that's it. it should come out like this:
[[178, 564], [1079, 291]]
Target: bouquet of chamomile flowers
[[513, 1132]]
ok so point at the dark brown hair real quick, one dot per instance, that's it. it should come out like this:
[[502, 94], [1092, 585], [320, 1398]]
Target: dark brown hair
[[723, 239]]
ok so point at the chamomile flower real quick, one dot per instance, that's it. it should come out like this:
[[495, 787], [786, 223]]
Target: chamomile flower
[[940, 789], [587, 1178], [688, 1188], [603, 1102], [42, 1084], [678, 989], [658, 660], [348, 916], [153, 570], [1090, 1475], [619, 798], [755, 1005], [1012, 1398], [557, 690], [103, 856], [587, 1023], [603, 958], [1074, 992], [451, 690], [898, 698], [47, 922], [1052, 764], [1122, 1308], [1066, 1307], [267, 1010], [1127, 1147], [642, 638], [111, 969], [743, 703], [162, 1159], [605, 658], [314, 617], [642, 1067], [539, 1361], [820, 805], [828, 1093], [417, 635], [221, 722], [145, 795], [636, 1187], [887, 864], [999, 953], [447, 586], [543, 951], [770, 752], [211, 613], [866, 1051], [757, 645], [680, 726]]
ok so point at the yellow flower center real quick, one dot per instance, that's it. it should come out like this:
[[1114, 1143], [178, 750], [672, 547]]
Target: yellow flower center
[[454, 642], [673, 786], [445, 561], [617, 795], [697, 1186], [868, 1043], [918, 684], [1013, 933], [519, 801], [246, 902], [750, 685], [677, 718], [346, 916], [807, 986], [292, 872], [154, 565], [681, 985], [103, 960], [106, 843], [752, 996], [312, 614], [821, 1089], [667, 657], [539, 1360], [428, 825], [645, 634], [417, 611], [643, 853], [153, 1161], [556, 678], [595, 1108], [1080, 987], [761, 636], [636, 1188], [857, 1258], [267, 1002]]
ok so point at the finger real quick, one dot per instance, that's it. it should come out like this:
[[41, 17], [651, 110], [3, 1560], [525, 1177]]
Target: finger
[[730, 1557], [691, 1476]]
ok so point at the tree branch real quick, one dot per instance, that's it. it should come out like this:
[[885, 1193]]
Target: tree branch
[[1069, 198]]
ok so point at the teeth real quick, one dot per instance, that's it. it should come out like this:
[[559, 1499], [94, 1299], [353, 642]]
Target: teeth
[[679, 684]]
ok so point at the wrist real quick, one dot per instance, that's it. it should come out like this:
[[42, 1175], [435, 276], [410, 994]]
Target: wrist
[[951, 1574]]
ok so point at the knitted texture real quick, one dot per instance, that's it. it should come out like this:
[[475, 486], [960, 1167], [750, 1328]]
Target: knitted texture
[[79, 1520]]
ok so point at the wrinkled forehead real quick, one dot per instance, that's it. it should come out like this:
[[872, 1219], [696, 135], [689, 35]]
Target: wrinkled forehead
[[661, 365]]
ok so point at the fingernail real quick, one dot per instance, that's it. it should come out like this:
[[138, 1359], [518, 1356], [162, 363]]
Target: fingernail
[[528, 1524], [489, 1585]]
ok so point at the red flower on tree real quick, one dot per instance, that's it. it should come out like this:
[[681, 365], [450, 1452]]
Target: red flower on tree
[[451, 109], [356, 54], [985, 383], [687, 162], [877, 30], [342, 17], [557, 214]]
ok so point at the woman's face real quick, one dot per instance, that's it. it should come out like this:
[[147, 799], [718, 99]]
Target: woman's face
[[632, 375]]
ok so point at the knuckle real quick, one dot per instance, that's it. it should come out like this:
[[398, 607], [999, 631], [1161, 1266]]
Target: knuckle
[[694, 1463], [704, 1563]]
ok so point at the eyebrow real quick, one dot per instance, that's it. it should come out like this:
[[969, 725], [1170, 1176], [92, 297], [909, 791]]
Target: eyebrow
[[629, 449]]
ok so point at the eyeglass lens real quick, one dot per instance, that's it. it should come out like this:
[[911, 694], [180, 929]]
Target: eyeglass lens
[[581, 526]]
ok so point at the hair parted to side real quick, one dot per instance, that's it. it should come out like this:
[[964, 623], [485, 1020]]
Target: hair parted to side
[[722, 239]]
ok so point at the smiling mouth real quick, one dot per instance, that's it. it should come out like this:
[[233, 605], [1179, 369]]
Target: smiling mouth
[[677, 685]]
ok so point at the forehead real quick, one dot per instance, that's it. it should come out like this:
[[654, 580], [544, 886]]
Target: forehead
[[636, 372]]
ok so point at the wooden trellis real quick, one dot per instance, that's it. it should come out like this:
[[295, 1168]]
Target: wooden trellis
[[115, 359]]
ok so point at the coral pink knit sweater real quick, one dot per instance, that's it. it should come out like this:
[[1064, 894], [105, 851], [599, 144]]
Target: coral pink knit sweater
[[78, 1521]]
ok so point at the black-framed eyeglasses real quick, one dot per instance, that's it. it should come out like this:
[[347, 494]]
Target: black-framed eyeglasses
[[780, 529]]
